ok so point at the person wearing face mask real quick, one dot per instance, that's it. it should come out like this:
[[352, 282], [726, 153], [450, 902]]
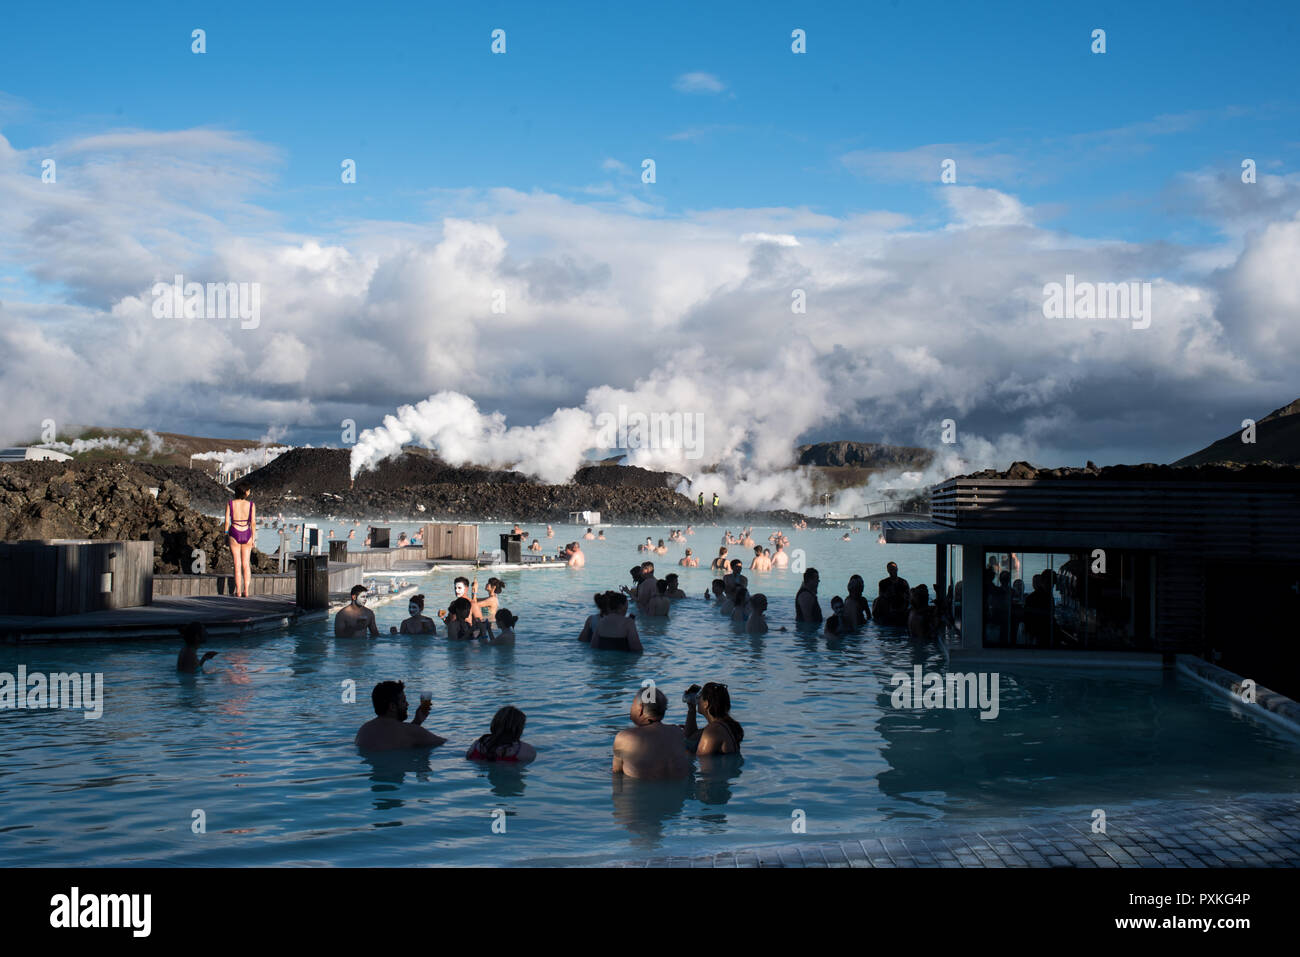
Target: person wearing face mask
[[355, 619], [461, 586], [419, 623]]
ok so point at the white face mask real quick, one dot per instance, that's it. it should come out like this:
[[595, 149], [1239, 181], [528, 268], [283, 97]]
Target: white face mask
[[360, 599], [460, 591]]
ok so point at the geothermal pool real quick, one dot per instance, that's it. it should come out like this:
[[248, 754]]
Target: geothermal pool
[[262, 743]]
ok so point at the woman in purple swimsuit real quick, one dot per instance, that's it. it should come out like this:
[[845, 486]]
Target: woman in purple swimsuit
[[240, 523]]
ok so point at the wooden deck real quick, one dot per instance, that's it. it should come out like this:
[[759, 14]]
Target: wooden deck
[[223, 615]]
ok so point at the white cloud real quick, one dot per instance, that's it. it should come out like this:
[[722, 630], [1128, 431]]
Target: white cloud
[[698, 83]]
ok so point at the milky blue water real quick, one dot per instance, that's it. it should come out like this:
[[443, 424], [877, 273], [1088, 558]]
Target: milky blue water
[[262, 743]]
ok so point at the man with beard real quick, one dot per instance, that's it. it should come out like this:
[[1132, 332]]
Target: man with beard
[[390, 731]]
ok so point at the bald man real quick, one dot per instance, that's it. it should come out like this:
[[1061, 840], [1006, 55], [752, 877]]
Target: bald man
[[651, 750]]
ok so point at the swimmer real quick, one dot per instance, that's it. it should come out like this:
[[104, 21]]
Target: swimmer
[[550, 532], [723, 733], [389, 730], [689, 560], [756, 623], [459, 627], [418, 623], [590, 535], [651, 749], [616, 629], [761, 562], [647, 587], [505, 629], [806, 606], [188, 661], [600, 535], [719, 591], [355, 619], [779, 558], [674, 591], [536, 545], [659, 605], [504, 742], [720, 563], [576, 558], [857, 610]]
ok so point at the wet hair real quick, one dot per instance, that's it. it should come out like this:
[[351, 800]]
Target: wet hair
[[719, 585], [601, 598], [663, 586], [661, 543], [460, 608], [505, 619], [722, 551], [758, 549], [192, 632], [386, 693], [810, 576], [496, 584], [418, 600], [718, 700], [507, 729], [856, 585], [758, 603]]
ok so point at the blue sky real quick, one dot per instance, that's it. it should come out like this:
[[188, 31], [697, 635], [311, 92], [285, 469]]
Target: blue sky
[[413, 94], [521, 172]]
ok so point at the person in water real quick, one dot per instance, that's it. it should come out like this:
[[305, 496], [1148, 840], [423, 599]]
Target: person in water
[[576, 558], [689, 560], [857, 610], [756, 623], [388, 731], [779, 558], [674, 591], [722, 734], [188, 661], [590, 535], [806, 606], [355, 619], [536, 545], [600, 536], [505, 628], [659, 605], [616, 629], [504, 742], [589, 627], [893, 598], [719, 591], [651, 749], [720, 564], [241, 518], [485, 608], [459, 625], [461, 588], [740, 611], [418, 623], [647, 587]]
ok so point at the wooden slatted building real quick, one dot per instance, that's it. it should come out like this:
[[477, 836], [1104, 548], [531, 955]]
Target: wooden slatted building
[[1212, 553]]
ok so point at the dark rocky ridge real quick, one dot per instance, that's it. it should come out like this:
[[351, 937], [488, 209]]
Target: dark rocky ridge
[[111, 500], [866, 455], [1277, 439]]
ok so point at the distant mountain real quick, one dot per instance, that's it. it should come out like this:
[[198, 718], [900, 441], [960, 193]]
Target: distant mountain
[[864, 455], [1277, 439]]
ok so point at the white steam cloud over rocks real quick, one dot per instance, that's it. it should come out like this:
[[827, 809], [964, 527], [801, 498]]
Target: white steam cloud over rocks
[[503, 325]]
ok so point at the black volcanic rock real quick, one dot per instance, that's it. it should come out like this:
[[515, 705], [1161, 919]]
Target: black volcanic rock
[[1277, 439], [111, 500], [867, 455], [613, 475]]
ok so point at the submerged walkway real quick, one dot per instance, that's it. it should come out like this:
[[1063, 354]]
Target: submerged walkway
[[1246, 833]]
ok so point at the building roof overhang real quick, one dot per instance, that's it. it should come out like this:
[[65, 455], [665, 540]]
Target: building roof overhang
[[911, 532]]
